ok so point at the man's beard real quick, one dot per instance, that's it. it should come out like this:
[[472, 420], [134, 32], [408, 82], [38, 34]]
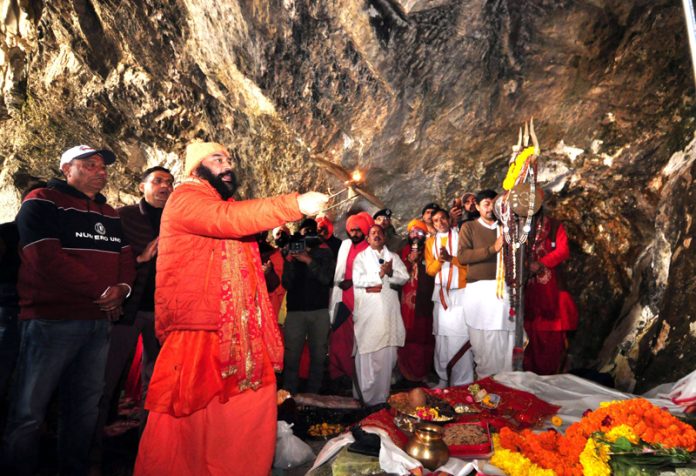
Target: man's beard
[[225, 189], [356, 238]]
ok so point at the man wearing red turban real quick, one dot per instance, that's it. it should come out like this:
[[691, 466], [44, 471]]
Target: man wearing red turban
[[325, 229], [342, 298]]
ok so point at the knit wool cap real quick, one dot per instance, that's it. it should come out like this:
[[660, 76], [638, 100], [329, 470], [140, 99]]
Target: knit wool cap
[[197, 151]]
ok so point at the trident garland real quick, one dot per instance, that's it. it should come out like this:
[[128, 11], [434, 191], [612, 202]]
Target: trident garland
[[516, 210]]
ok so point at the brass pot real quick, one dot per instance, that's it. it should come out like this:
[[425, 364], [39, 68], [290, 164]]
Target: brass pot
[[427, 446]]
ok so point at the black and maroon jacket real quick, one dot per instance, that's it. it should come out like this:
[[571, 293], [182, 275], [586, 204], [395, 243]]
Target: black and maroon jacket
[[72, 248]]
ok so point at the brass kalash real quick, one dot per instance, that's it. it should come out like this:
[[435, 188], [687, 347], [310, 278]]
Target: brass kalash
[[427, 446]]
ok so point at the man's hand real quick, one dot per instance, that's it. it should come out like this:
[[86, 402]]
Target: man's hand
[[455, 214], [498, 244], [444, 255], [387, 269], [148, 253], [111, 300], [267, 266], [303, 257], [346, 284], [311, 203], [114, 314], [413, 256], [535, 267]]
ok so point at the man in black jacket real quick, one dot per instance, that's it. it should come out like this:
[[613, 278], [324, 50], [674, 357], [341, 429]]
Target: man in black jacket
[[307, 276], [141, 223]]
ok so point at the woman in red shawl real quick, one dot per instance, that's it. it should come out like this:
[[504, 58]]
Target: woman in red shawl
[[415, 358]]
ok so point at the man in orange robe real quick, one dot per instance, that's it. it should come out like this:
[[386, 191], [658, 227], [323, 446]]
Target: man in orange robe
[[212, 397]]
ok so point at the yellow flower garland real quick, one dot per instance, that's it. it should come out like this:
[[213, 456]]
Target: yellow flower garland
[[594, 459], [622, 430], [515, 464], [516, 167]]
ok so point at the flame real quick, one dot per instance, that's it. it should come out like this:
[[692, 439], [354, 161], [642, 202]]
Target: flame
[[356, 176]]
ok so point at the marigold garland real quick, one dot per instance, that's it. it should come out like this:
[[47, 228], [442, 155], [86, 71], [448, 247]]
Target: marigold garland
[[633, 419], [622, 431], [515, 464], [594, 459]]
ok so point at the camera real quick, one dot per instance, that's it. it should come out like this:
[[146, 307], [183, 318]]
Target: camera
[[298, 243]]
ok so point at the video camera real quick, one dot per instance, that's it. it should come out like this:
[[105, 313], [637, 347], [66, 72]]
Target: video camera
[[298, 243]]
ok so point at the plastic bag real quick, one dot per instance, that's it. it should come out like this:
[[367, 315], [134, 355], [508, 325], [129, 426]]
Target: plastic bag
[[290, 451]]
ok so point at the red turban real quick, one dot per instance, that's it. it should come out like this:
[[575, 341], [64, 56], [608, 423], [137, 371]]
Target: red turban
[[362, 220], [323, 222]]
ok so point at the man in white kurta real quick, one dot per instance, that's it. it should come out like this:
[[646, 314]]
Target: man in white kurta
[[486, 304], [379, 329], [452, 346]]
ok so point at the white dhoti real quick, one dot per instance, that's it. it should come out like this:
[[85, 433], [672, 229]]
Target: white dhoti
[[492, 351], [491, 332], [446, 347], [373, 371], [451, 334]]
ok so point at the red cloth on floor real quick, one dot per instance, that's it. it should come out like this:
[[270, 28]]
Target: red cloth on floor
[[237, 437]]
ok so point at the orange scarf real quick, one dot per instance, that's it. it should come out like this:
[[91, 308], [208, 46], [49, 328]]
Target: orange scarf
[[248, 329], [443, 301]]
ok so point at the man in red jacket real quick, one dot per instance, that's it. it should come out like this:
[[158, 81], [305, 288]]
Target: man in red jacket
[[212, 397], [76, 269], [550, 311]]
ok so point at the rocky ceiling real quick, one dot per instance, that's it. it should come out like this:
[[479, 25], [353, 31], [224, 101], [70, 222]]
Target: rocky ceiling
[[425, 95]]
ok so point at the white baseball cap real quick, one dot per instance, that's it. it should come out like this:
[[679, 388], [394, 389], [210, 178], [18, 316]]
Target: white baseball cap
[[84, 151]]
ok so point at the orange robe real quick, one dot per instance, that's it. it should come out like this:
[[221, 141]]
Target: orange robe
[[212, 396]]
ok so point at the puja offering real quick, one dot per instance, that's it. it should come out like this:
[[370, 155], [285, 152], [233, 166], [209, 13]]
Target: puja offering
[[464, 434], [324, 430], [468, 440], [481, 395], [460, 408], [423, 406]]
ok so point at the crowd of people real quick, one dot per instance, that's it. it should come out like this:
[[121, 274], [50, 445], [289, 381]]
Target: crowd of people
[[230, 304]]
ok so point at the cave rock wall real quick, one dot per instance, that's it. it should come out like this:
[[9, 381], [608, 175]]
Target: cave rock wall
[[426, 95]]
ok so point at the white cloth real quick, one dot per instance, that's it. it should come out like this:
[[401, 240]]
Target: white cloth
[[377, 316], [392, 459], [445, 348], [573, 394], [450, 321], [483, 310], [492, 351], [373, 372], [336, 292]]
